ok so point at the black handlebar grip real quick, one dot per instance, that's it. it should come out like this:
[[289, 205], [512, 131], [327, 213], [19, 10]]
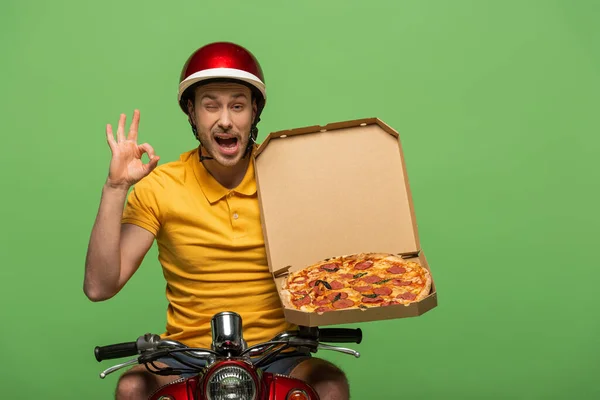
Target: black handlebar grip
[[115, 351], [340, 335]]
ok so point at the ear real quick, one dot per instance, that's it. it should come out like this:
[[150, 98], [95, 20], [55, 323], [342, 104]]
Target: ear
[[190, 107], [254, 110]]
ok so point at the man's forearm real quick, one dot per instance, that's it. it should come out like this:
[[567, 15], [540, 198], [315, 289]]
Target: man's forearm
[[103, 261]]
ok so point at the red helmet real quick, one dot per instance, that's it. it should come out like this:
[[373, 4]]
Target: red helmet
[[223, 60]]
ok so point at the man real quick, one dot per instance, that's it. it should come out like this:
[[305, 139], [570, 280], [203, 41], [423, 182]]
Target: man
[[203, 212]]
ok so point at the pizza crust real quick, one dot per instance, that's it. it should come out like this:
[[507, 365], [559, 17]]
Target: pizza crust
[[427, 289], [286, 298], [285, 295]]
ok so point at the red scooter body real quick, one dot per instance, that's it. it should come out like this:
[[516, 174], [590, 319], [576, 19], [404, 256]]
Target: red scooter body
[[184, 389], [229, 369], [269, 386], [280, 387]]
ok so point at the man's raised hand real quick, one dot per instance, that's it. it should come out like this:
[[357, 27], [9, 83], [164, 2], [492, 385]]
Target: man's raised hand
[[126, 166]]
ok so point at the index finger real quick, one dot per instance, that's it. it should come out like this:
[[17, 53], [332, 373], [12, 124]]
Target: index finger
[[110, 138], [133, 129]]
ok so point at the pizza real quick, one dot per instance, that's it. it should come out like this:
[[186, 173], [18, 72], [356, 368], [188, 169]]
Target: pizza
[[357, 281]]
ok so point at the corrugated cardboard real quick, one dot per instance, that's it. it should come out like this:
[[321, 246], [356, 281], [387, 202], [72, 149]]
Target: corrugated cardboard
[[339, 189]]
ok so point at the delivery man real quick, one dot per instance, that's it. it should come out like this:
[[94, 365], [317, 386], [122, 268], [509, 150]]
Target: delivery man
[[203, 212]]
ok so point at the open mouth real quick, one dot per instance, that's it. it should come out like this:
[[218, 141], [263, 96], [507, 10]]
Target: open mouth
[[227, 144]]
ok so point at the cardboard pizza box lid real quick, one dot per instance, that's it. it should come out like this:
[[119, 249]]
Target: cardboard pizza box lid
[[332, 190]]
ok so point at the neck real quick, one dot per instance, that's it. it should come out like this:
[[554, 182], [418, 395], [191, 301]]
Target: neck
[[229, 177]]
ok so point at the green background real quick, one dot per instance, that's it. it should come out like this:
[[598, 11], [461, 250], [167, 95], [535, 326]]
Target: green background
[[497, 106]]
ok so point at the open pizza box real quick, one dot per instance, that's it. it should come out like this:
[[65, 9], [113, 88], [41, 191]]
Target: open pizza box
[[339, 189]]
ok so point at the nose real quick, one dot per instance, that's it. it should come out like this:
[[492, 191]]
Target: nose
[[225, 120]]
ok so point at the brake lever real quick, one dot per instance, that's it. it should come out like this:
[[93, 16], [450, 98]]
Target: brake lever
[[117, 367], [340, 349]]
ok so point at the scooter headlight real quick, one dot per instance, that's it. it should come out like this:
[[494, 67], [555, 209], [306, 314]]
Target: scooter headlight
[[231, 383]]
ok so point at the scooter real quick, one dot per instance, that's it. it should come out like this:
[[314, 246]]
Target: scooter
[[230, 370]]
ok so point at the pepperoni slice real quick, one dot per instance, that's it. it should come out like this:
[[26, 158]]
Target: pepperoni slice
[[382, 291], [336, 285], [363, 288], [371, 279], [364, 265], [322, 302], [312, 283], [332, 296], [396, 270], [300, 293], [407, 296], [346, 276], [301, 301], [399, 282], [343, 303], [331, 267], [371, 300]]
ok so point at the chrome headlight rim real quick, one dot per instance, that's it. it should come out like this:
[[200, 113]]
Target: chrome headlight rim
[[233, 365]]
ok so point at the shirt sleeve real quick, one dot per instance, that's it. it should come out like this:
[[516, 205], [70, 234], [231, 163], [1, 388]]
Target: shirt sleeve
[[142, 207]]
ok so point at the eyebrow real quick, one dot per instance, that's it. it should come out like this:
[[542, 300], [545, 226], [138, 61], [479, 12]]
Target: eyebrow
[[212, 97]]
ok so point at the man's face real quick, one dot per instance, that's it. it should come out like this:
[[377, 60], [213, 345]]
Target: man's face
[[223, 115]]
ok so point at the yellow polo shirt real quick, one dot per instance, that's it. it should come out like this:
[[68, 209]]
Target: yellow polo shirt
[[211, 248]]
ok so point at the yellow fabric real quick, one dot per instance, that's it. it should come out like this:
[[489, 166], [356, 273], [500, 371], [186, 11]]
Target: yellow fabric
[[212, 261]]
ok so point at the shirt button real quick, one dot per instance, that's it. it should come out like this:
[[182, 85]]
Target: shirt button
[[235, 216], [230, 194]]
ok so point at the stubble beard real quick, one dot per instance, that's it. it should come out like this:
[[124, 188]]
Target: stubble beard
[[211, 147]]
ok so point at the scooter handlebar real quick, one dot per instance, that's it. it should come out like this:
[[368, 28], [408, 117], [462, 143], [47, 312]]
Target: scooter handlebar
[[340, 335], [116, 351]]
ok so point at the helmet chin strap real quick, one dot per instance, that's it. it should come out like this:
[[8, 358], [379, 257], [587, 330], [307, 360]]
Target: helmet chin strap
[[251, 140], [202, 158]]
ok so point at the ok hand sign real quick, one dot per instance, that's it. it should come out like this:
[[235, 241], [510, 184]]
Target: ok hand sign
[[126, 167]]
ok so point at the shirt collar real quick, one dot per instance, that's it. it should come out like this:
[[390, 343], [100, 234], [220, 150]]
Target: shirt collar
[[212, 189]]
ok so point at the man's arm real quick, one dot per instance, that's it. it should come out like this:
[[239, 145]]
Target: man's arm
[[116, 250]]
